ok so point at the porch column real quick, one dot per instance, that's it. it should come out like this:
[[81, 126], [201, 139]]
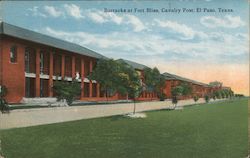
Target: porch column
[[73, 67], [37, 88], [98, 90], [82, 78], [90, 82], [51, 69], [63, 67]]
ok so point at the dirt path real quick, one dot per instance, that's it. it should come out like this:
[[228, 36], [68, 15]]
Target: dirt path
[[32, 117]]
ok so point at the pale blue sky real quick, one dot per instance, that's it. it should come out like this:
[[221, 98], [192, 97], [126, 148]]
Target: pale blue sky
[[154, 39]]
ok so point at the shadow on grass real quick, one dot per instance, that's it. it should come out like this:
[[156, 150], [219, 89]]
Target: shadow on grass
[[117, 117]]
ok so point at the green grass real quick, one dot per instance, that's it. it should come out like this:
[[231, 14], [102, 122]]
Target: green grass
[[208, 131]]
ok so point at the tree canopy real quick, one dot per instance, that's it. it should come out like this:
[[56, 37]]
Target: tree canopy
[[182, 89], [67, 90], [216, 84], [117, 76], [106, 73], [187, 89], [154, 81]]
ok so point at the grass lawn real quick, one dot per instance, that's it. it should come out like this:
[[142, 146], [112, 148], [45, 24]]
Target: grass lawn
[[217, 130]]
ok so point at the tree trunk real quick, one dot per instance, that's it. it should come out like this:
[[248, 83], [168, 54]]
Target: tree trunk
[[175, 106], [134, 106], [106, 93]]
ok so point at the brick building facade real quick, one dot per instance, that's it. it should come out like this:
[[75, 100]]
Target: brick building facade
[[30, 62]]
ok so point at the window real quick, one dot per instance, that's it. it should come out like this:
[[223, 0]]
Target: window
[[27, 61], [13, 54], [41, 62]]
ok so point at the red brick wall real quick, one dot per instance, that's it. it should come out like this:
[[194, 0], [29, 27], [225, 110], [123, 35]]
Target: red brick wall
[[13, 73], [1, 59], [46, 62], [167, 89]]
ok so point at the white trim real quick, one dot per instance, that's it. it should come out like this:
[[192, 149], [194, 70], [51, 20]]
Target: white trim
[[86, 80], [68, 78], [43, 76], [30, 75], [57, 78]]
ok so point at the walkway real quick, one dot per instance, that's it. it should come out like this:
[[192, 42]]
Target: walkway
[[32, 117]]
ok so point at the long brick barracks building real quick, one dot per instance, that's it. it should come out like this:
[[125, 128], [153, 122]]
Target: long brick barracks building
[[30, 62]]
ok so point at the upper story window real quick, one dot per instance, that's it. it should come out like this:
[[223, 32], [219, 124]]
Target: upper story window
[[13, 54]]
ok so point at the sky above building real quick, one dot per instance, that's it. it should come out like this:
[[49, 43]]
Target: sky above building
[[191, 38]]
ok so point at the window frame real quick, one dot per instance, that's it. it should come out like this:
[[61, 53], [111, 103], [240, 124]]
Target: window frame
[[13, 54]]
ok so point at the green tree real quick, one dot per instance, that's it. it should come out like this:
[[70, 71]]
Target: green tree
[[216, 84], [227, 93], [160, 85], [67, 90], [231, 94], [148, 79], [106, 72], [223, 95], [187, 89], [129, 82], [176, 91], [217, 94], [154, 81], [134, 88], [118, 77]]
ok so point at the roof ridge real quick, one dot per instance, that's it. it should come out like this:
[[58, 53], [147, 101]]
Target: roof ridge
[[134, 64], [42, 38], [184, 78]]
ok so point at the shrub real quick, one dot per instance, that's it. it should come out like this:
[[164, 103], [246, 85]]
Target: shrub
[[217, 94], [3, 91], [3, 103], [196, 98], [4, 106], [214, 96], [162, 96], [239, 96], [207, 98], [223, 95], [67, 90]]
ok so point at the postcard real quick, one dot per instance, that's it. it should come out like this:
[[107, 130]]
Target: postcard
[[127, 79]]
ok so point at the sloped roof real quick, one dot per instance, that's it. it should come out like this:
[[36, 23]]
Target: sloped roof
[[169, 76], [21, 33], [135, 65]]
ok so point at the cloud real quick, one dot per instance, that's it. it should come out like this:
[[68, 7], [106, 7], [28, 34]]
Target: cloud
[[182, 29], [100, 17], [35, 12], [73, 11], [142, 45], [94, 15], [53, 11], [227, 22], [136, 23]]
